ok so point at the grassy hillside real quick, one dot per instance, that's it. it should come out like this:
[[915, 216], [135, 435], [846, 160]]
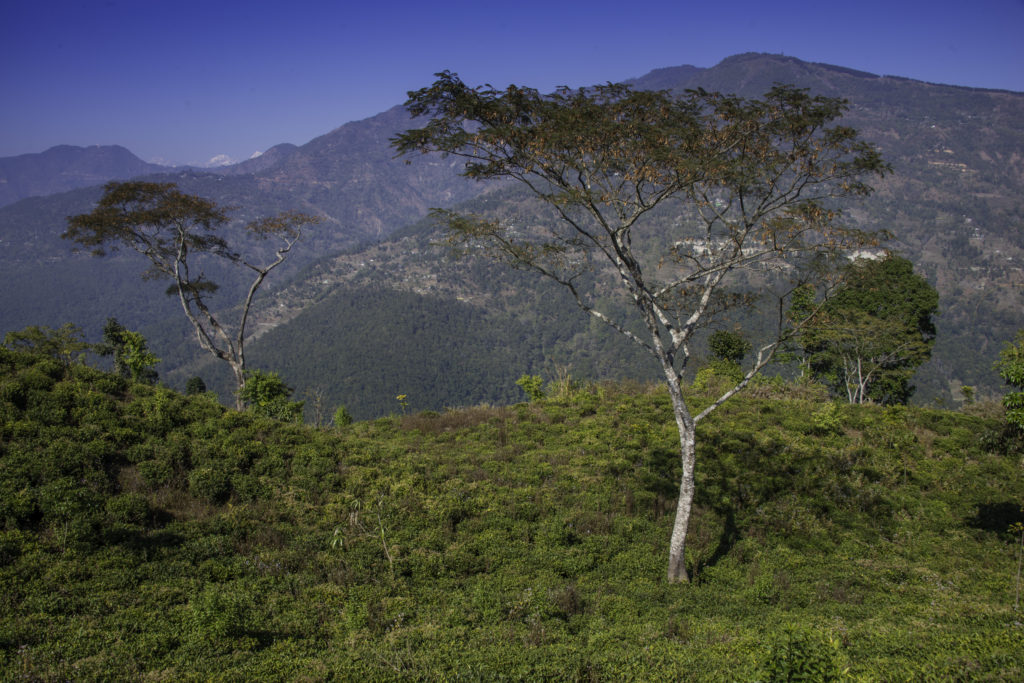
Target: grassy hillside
[[146, 535]]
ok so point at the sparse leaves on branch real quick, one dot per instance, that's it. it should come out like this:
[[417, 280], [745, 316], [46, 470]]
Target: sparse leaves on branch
[[172, 229], [751, 189]]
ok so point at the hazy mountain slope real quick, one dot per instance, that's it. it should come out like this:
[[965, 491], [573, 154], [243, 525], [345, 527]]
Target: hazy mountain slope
[[954, 205], [404, 317], [347, 177], [272, 157], [351, 175], [66, 167], [955, 202]]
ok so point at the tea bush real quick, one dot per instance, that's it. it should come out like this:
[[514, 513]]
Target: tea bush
[[144, 534]]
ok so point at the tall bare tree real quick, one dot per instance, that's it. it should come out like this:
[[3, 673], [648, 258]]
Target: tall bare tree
[[173, 229], [744, 190]]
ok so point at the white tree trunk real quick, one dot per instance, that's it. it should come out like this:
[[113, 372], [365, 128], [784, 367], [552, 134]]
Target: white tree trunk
[[238, 368], [687, 451]]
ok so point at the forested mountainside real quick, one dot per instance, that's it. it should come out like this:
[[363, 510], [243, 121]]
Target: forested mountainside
[[954, 205]]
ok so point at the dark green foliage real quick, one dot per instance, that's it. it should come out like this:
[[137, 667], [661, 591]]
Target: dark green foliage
[[440, 353], [65, 345], [211, 483], [128, 508], [521, 542], [717, 377], [799, 656], [194, 386], [218, 614], [266, 394], [1011, 369], [533, 385], [132, 358], [728, 346], [870, 337], [342, 418]]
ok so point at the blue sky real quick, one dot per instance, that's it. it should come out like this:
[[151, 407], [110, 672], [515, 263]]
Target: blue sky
[[181, 81]]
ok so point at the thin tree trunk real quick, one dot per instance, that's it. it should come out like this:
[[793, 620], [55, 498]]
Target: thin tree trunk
[[687, 450], [239, 371]]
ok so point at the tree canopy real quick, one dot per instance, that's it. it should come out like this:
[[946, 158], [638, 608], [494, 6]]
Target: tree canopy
[[174, 230], [728, 346], [689, 206], [874, 332]]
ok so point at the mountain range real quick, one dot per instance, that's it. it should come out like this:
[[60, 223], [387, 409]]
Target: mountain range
[[383, 311], [66, 167]]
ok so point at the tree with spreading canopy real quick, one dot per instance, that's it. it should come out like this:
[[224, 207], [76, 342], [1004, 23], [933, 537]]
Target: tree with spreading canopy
[[689, 205], [174, 230], [867, 341]]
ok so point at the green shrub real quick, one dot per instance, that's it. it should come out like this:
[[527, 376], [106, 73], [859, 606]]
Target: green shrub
[[128, 508], [797, 655], [1011, 368], [156, 473], [524, 543], [13, 543], [217, 612], [728, 346], [211, 484], [717, 376], [533, 385], [827, 419], [195, 386], [266, 395], [342, 418]]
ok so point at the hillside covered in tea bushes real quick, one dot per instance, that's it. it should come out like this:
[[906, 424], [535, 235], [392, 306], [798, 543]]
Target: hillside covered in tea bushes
[[146, 535]]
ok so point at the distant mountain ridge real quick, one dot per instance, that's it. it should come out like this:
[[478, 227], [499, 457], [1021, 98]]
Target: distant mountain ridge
[[739, 73], [67, 167], [955, 205]]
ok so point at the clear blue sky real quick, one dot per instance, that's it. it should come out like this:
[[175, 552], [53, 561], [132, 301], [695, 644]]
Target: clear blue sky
[[181, 81]]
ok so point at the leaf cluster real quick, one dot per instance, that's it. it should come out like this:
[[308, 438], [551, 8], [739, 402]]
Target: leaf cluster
[[1011, 368]]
